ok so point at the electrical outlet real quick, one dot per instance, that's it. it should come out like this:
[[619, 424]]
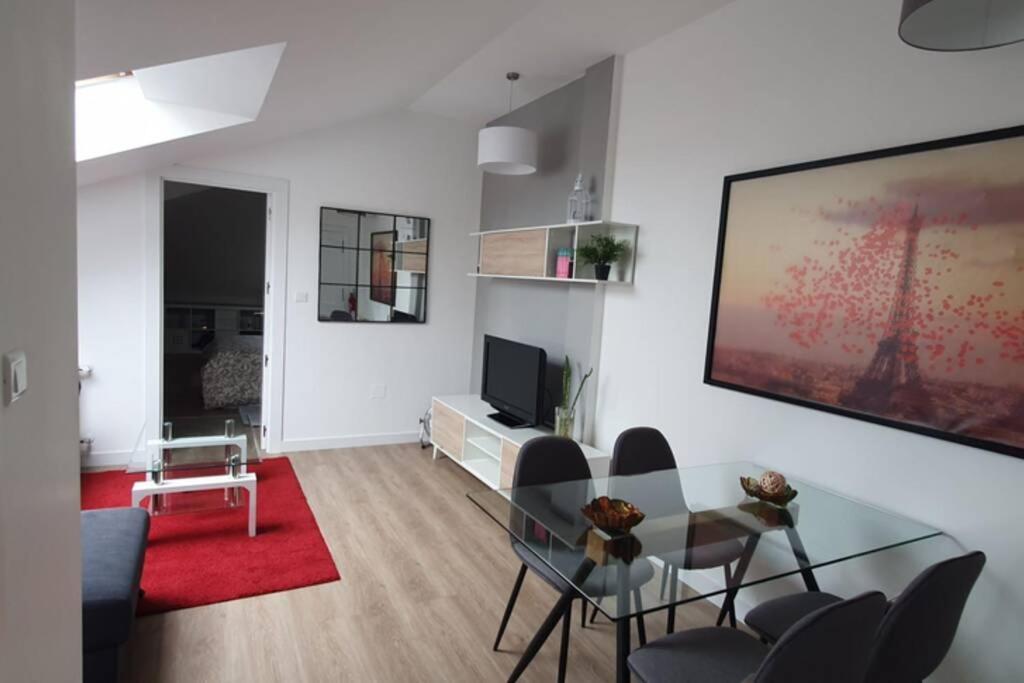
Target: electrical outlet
[[378, 390]]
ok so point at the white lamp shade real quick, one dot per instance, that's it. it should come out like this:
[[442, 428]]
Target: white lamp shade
[[952, 25], [507, 150]]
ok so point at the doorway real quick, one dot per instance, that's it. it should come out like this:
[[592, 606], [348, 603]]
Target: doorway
[[223, 314], [214, 247]]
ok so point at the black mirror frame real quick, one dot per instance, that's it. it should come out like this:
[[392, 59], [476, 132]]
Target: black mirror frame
[[361, 213]]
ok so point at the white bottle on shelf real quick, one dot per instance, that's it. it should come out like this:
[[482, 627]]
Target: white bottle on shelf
[[579, 203]]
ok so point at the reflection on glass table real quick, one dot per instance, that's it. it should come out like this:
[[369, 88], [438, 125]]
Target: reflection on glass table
[[686, 510]]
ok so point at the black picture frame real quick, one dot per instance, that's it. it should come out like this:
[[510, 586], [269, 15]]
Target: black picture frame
[[932, 145]]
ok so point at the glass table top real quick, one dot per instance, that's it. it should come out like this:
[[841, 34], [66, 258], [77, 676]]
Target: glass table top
[[194, 455], [696, 519]]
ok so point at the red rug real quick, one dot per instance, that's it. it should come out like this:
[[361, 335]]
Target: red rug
[[204, 557]]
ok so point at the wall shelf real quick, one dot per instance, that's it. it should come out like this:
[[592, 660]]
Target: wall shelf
[[566, 280], [531, 253]]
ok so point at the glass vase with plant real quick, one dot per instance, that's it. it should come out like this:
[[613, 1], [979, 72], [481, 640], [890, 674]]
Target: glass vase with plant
[[602, 251], [565, 414]]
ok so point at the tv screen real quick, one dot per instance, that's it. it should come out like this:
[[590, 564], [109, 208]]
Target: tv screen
[[513, 379]]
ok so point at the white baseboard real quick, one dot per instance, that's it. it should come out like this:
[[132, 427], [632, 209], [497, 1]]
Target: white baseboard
[[106, 459], [354, 441]]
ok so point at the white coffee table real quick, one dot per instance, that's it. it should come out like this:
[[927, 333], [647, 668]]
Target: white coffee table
[[234, 477]]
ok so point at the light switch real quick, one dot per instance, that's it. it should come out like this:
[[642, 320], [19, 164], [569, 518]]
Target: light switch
[[15, 376], [301, 297]]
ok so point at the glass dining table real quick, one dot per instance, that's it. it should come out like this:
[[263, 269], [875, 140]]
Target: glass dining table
[[688, 511]]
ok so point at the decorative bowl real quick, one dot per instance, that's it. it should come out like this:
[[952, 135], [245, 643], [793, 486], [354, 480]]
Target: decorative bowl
[[612, 515], [752, 487]]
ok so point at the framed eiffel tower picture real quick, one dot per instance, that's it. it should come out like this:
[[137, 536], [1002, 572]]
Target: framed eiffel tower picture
[[886, 286]]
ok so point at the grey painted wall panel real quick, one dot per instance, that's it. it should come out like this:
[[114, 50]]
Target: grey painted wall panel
[[573, 126], [539, 198], [573, 132], [598, 90]]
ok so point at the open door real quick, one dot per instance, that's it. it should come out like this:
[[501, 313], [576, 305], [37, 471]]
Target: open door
[[215, 261]]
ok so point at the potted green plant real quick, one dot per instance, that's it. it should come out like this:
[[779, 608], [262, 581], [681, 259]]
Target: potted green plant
[[602, 251]]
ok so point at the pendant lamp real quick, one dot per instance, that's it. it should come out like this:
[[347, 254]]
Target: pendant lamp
[[507, 150], [956, 25]]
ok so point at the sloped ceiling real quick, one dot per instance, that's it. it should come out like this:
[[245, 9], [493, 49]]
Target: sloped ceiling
[[346, 59], [551, 45]]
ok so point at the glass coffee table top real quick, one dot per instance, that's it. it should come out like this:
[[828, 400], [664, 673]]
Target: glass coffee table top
[[178, 453], [696, 519]]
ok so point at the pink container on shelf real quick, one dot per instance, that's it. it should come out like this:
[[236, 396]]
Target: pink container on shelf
[[563, 264]]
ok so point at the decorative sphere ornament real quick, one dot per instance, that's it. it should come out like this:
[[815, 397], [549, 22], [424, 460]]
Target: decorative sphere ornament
[[772, 483]]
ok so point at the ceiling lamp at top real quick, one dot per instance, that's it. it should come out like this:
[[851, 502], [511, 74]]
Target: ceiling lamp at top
[[955, 25], [507, 150]]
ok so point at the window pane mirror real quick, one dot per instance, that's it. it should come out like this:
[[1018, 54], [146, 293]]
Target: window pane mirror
[[373, 267]]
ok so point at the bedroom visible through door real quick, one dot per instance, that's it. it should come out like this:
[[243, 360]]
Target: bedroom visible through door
[[214, 290]]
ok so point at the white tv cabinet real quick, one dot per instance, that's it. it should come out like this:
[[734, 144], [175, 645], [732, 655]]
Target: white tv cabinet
[[485, 448]]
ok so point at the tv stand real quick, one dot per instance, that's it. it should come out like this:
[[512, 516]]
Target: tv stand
[[465, 429], [509, 421]]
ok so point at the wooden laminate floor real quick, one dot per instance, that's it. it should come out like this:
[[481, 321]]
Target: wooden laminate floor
[[424, 580]]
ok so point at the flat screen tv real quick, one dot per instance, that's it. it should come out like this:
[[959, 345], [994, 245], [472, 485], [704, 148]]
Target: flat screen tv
[[513, 381]]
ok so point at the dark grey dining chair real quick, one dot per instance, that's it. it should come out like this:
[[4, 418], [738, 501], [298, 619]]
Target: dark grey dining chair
[[547, 460], [917, 630], [831, 644], [641, 450]]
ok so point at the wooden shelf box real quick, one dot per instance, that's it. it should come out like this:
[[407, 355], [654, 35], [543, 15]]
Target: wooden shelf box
[[532, 253]]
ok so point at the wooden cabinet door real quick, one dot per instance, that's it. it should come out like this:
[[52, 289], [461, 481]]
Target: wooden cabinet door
[[509, 453], [521, 252], [447, 430]]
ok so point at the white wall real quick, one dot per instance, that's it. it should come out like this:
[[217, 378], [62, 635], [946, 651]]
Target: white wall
[[40, 557], [760, 84], [111, 312], [414, 164]]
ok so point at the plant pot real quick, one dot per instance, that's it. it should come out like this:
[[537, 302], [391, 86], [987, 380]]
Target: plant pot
[[565, 422], [601, 270]]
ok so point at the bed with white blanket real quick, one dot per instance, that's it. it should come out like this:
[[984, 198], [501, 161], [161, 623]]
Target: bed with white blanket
[[232, 371]]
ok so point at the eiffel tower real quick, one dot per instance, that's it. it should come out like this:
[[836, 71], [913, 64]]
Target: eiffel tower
[[892, 381]]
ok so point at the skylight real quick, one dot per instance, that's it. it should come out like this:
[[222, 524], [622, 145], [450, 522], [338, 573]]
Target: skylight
[[102, 79], [132, 109]]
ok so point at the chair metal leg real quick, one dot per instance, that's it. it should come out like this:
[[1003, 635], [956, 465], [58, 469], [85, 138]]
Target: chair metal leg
[[551, 620], [511, 604], [673, 588], [593, 614], [664, 580], [563, 653], [583, 613], [641, 627], [732, 606]]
